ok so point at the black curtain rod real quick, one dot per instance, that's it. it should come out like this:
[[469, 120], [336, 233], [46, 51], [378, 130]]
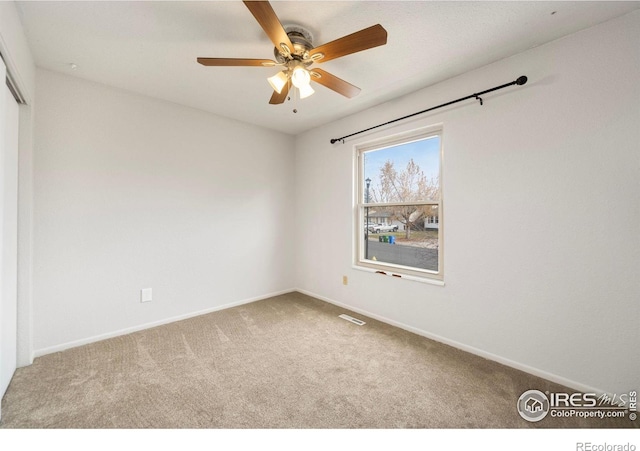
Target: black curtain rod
[[520, 81]]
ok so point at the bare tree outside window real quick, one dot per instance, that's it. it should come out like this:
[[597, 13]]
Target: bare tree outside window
[[409, 185]]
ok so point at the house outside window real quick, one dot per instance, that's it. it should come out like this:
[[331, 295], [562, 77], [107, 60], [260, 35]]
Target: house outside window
[[399, 205], [431, 222]]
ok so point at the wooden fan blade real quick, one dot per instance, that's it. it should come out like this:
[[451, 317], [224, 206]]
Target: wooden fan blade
[[334, 83], [373, 36], [276, 98], [266, 17], [235, 62]]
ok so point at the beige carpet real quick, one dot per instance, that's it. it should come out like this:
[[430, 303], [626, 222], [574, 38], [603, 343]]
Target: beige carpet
[[285, 362]]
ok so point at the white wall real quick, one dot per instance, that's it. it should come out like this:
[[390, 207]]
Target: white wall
[[132, 192], [541, 212]]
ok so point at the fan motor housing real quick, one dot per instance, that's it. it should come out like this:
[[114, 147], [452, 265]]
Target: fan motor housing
[[302, 41]]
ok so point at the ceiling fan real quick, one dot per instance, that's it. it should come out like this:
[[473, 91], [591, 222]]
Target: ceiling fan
[[294, 51]]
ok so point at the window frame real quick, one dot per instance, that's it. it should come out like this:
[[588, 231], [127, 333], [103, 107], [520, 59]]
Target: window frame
[[391, 269]]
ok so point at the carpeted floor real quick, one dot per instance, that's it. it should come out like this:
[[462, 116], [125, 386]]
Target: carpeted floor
[[284, 362]]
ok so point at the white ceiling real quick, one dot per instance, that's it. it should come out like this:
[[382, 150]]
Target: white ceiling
[[151, 47]]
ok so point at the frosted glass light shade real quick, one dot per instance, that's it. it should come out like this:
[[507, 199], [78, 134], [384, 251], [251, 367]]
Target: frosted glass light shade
[[278, 81], [305, 91], [300, 77]]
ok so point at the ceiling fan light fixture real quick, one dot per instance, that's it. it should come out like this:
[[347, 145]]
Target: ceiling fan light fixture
[[305, 91], [300, 77], [278, 81], [295, 52]]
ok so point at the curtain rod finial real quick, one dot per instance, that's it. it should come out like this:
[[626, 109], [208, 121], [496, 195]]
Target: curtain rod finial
[[521, 80]]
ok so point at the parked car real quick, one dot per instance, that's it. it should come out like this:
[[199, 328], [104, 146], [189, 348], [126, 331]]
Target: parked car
[[378, 228]]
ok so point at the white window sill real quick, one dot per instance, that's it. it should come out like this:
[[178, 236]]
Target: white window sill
[[394, 275]]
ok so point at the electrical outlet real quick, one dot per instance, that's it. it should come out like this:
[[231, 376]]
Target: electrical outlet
[[345, 280], [146, 295]]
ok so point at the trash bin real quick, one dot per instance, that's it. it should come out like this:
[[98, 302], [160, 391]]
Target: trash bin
[[385, 239], [392, 239], [380, 239]]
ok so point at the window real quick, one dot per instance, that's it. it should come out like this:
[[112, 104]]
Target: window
[[399, 205]]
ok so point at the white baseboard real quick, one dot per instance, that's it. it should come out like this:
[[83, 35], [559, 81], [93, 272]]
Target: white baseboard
[[128, 330], [470, 349]]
